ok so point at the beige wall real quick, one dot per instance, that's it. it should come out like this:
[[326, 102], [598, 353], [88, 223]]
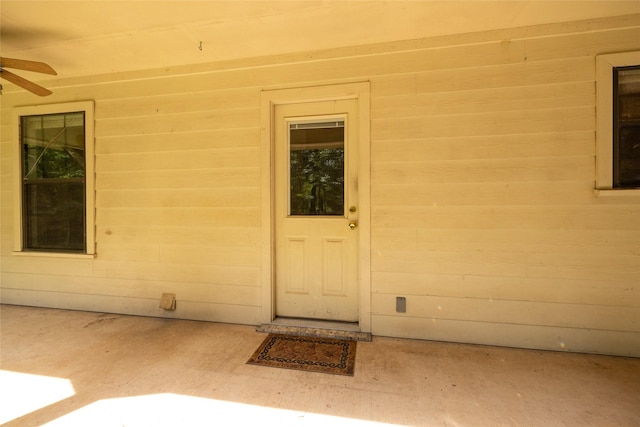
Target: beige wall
[[482, 174]]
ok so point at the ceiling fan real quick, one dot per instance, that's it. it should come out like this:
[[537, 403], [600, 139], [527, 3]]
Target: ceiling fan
[[23, 64]]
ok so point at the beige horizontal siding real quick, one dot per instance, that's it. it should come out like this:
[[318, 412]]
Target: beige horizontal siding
[[239, 177], [187, 309], [213, 139], [559, 71], [179, 217], [188, 273], [479, 124], [577, 242], [551, 145], [606, 292], [202, 159], [484, 213], [509, 334], [177, 176], [177, 123], [564, 95], [198, 197], [583, 316], [180, 233], [133, 288], [512, 264], [175, 103], [482, 172], [484, 193], [571, 217], [211, 255]]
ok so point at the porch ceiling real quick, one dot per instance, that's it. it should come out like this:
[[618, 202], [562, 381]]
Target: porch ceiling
[[95, 37]]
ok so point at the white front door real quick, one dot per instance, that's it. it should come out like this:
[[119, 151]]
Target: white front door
[[316, 197]]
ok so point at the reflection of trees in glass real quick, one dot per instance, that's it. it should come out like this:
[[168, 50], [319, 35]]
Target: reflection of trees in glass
[[43, 162], [317, 182]]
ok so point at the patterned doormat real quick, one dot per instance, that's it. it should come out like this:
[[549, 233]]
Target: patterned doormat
[[312, 354]]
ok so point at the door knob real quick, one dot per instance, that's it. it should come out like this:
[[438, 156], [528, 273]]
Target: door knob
[[353, 225]]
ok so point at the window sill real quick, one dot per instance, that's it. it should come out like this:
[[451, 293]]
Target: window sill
[[632, 192], [53, 255]]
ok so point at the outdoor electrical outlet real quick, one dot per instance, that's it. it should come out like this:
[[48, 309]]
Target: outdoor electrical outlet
[[401, 304]]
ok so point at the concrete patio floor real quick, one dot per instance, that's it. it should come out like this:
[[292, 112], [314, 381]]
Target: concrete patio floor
[[71, 368]]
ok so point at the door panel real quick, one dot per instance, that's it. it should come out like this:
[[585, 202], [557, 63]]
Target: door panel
[[316, 199], [296, 281], [335, 282]]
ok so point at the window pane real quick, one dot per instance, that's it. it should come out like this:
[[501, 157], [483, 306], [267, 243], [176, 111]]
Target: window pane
[[54, 215], [629, 93], [626, 151], [53, 146], [317, 168], [628, 172]]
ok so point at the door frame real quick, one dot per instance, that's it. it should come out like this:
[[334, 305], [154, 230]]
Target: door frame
[[297, 95]]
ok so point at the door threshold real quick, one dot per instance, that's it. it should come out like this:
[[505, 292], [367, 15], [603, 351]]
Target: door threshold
[[315, 328]]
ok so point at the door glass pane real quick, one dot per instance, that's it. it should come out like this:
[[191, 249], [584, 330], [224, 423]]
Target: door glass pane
[[316, 168]]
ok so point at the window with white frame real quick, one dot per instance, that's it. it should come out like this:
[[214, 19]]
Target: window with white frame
[[55, 195], [618, 121]]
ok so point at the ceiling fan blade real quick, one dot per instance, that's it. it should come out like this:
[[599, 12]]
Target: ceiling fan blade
[[24, 83], [23, 64]]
